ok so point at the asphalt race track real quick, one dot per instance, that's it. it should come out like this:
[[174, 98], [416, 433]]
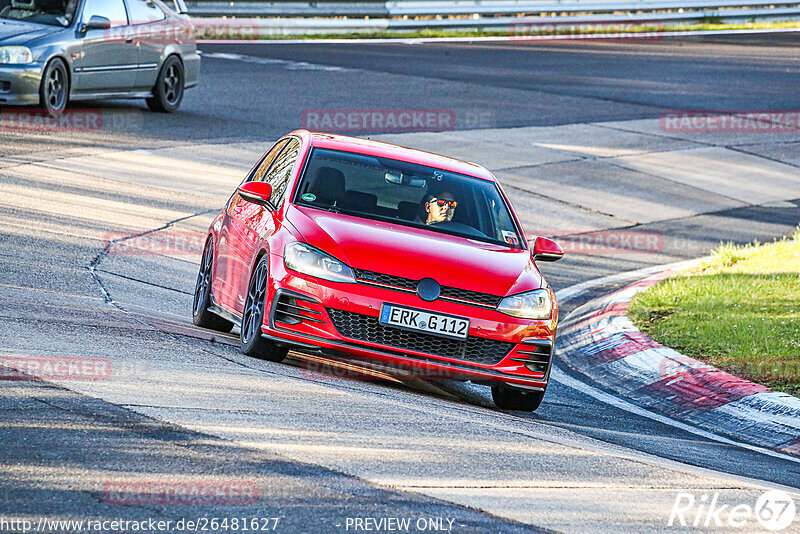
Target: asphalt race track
[[572, 131]]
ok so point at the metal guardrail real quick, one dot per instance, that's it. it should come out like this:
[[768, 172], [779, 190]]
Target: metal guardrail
[[433, 8], [259, 18]]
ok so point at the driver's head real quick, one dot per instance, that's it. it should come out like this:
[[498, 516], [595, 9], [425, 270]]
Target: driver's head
[[440, 207]]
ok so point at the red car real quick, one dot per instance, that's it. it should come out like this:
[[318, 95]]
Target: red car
[[359, 249]]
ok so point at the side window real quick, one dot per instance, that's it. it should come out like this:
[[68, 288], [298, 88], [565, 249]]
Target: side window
[[144, 11], [113, 10], [258, 174], [281, 171]]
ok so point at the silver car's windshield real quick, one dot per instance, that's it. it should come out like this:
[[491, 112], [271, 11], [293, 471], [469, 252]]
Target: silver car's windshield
[[406, 193], [50, 12]]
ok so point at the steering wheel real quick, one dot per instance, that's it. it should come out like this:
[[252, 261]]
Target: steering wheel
[[461, 228]]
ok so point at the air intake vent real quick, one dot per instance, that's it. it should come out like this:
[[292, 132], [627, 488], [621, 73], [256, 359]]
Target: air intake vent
[[536, 357], [289, 309]]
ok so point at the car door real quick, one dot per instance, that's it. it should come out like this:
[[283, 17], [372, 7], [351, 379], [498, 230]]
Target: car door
[[254, 222], [149, 23], [228, 241], [108, 58]]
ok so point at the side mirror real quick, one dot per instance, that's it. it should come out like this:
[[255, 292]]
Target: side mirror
[[257, 192], [547, 250], [96, 23]]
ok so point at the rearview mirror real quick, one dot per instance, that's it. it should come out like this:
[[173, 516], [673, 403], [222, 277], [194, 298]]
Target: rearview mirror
[[96, 23], [257, 193], [400, 178], [547, 250]]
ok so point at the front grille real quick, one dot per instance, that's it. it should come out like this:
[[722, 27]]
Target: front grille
[[448, 293], [473, 296], [387, 279], [366, 328]]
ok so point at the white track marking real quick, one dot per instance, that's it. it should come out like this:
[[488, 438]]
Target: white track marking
[[561, 377], [288, 65], [573, 292]]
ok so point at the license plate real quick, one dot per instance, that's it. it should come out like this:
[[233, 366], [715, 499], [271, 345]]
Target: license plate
[[425, 322]]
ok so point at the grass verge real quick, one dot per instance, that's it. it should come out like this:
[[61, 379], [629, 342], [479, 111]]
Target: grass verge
[[739, 311], [210, 33]]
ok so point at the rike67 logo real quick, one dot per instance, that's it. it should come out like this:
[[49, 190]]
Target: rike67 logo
[[774, 511]]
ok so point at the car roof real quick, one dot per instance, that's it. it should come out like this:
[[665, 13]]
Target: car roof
[[388, 150]]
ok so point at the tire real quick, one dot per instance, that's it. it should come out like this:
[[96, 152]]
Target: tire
[[168, 91], [253, 317], [517, 400], [202, 294], [54, 89]]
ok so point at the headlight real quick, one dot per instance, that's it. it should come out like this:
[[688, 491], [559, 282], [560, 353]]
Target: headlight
[[16, 55], [308, 260], [535, 304]]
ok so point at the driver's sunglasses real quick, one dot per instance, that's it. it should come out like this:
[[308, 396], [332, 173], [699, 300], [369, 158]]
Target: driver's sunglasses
[[442, 202]]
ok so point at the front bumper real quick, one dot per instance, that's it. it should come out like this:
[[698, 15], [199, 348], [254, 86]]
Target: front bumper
[[342, 319], [19, 84]]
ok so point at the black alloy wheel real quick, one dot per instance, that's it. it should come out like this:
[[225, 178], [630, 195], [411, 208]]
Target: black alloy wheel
[[54, 89], [253, 344], [201, 316]]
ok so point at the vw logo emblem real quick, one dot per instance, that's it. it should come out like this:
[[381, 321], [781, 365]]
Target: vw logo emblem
[[428, 289]]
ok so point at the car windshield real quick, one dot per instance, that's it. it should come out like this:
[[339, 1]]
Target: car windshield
[[405, 193], [50, 12]]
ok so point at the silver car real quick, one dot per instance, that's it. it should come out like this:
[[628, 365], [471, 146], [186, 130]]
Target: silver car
[[56, 51]]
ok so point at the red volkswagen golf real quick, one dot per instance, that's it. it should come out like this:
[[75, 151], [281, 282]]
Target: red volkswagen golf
[[367, 250]]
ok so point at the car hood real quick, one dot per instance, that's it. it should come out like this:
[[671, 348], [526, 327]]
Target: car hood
[[15, 32], [417, 253]]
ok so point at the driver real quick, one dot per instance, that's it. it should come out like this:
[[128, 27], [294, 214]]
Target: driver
[[438, 208]]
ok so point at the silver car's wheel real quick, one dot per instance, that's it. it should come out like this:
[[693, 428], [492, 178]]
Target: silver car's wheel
[[54, 90], [168, 92]]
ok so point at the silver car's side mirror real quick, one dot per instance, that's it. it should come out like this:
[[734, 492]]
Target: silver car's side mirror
[[96, 23]]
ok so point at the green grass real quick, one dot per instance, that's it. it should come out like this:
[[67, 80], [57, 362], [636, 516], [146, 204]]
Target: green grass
[[521, 34], [738, 311]]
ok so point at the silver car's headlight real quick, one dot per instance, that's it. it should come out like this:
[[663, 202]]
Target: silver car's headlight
[[15, 55], [535, 304], [313, 262]]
